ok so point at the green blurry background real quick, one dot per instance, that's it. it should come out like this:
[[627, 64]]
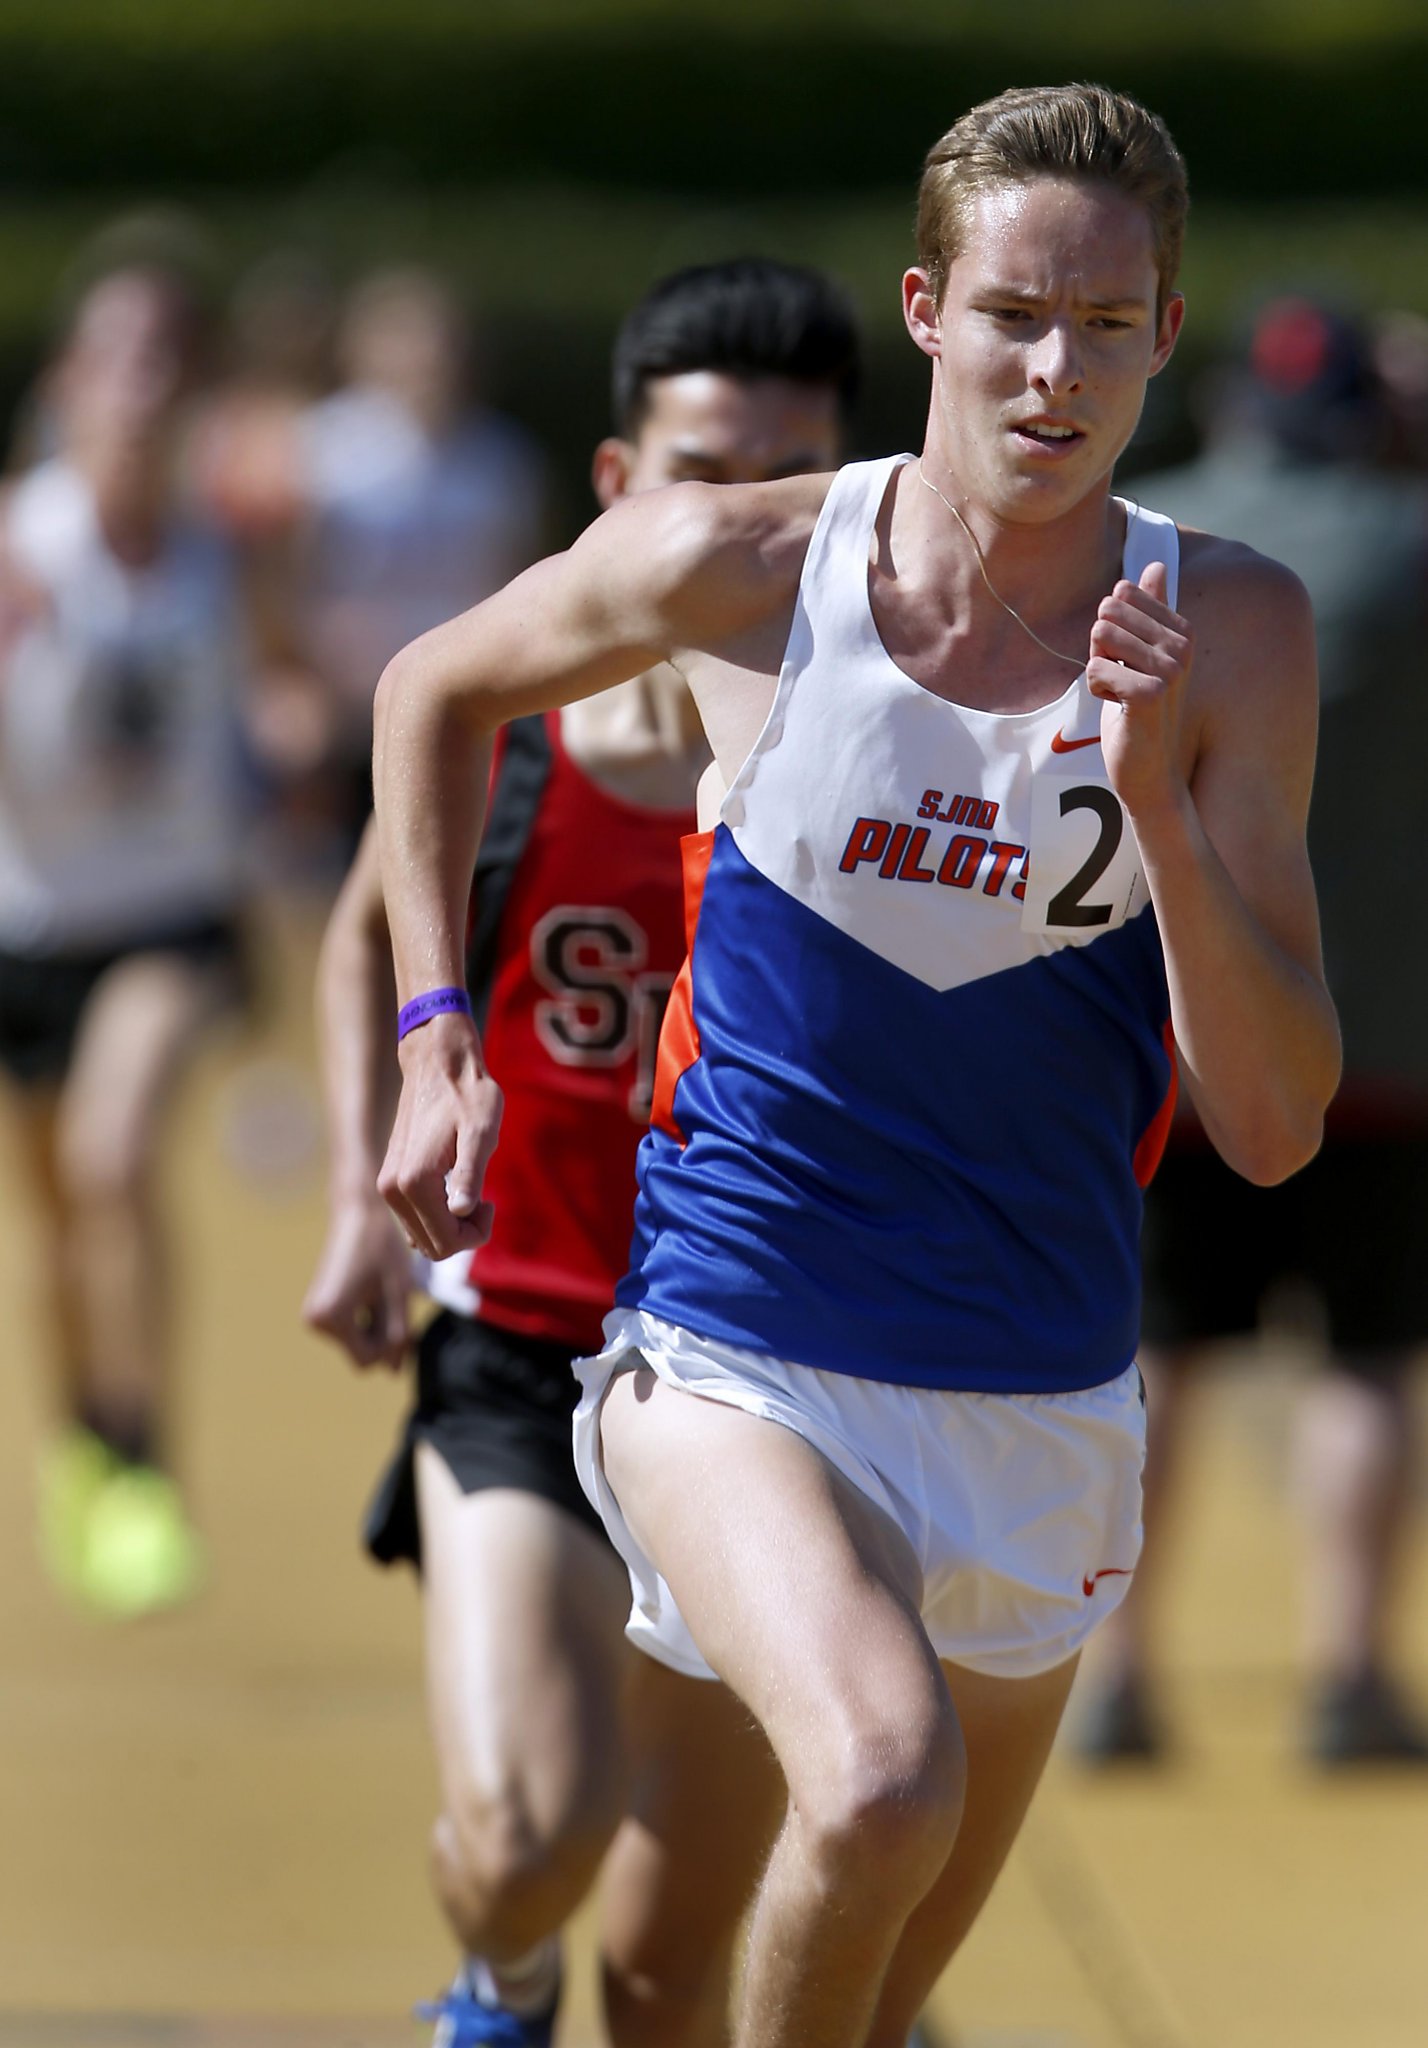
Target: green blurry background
[[555, 155]]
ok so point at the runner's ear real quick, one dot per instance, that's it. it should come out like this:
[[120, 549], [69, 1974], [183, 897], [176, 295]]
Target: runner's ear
[[610, 471], [921, 312]]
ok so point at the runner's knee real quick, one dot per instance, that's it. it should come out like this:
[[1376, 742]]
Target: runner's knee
[[102, 1177], [512, 1872], [102, 1162], [879, 1806], [665, 2005]]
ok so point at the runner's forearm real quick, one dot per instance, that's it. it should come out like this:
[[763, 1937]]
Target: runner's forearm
[[356, 1006], [431, 765], [1255, 1031]]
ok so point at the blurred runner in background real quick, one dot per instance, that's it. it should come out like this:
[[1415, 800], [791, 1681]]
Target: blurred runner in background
[[420, 500], [122, 804], [247, 468], [732, 373], [1294, 463]]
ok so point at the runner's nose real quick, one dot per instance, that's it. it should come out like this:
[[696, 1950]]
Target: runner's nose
[[1054, 362]]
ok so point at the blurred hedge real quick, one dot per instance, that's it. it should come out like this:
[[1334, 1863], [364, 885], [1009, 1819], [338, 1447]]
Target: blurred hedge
[[555, 155], [554, 268], [743, 97]]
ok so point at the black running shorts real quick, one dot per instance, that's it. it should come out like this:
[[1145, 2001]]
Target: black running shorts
[[43, 996], [1351, 1228], [497, 1407]]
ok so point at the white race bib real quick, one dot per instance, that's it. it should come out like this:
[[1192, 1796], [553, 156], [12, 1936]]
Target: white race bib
[[1084, 875]]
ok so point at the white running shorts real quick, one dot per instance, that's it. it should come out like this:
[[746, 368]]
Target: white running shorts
[[1023, 1510]]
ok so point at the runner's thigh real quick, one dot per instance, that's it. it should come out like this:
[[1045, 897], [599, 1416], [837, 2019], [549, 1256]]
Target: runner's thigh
[[142, 1018], [706, 1798], [800, 1592], [525, 1612], [1009, 1725]]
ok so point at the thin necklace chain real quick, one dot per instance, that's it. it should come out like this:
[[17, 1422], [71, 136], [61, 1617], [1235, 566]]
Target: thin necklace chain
[[992, 591]]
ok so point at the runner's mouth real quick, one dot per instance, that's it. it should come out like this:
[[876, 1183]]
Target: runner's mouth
[[1047, 437]]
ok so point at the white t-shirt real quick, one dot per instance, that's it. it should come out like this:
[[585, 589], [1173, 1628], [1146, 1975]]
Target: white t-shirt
[[121, 777]]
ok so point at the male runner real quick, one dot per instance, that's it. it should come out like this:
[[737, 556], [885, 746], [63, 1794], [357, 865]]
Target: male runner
[[122, 820], [867, 1428], [733, 373]]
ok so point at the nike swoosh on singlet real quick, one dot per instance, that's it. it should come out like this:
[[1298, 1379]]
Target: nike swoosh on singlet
[[1107, 1571], [1061, 745]]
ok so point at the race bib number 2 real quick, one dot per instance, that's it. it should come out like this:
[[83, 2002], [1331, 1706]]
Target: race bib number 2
[[1084, 874]]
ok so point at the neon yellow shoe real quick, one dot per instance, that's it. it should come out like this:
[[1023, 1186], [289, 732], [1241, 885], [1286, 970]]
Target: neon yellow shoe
[[141, 1552], [73, 1472]]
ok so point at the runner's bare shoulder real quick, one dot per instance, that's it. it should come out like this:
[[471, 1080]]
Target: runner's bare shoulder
[[706, 563], [1254, 631]]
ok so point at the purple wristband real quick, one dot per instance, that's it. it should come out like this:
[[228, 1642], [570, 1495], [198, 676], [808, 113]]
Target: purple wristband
[[435, 1003]]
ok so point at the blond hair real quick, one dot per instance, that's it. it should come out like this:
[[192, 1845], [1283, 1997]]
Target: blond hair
[[1052, 131]]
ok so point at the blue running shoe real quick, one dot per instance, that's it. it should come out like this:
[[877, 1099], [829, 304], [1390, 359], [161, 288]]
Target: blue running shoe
[[465, 2021]]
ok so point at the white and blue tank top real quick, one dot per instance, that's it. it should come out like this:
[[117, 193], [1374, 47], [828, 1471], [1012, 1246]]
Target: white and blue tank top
[[918, 1067]]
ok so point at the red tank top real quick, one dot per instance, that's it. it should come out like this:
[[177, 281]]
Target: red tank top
[[577, 936]]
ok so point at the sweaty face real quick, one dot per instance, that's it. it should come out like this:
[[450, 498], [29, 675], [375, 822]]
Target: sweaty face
[[706, 427], [1046, 338]]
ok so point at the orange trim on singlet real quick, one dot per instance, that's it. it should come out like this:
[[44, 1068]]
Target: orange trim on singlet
[[1152, 1143], [679, 1036]]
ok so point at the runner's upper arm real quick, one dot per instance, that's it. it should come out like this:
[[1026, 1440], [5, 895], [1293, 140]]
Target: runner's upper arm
[[621, 599], [1255, 768]]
